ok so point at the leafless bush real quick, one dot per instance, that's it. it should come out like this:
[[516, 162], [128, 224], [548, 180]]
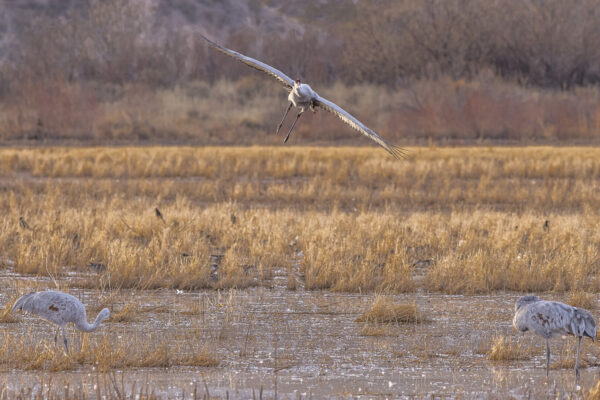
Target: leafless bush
[[444, 70], [546, 43]]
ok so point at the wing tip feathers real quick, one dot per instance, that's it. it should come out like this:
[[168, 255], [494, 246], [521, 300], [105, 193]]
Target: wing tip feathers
[[398, 152]]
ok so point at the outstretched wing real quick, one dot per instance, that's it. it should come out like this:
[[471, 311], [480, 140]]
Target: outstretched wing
[[396, 151], [261, 66]]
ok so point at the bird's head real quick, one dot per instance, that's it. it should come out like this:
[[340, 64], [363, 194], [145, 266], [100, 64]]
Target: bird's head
[[523, 301], [297, 81], [105, 313]]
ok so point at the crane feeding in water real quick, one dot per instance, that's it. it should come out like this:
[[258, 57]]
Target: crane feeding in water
[[303, 96], [551, 319], [59, 308]]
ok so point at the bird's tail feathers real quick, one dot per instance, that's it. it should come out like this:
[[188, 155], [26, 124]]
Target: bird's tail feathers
[[584, 324]]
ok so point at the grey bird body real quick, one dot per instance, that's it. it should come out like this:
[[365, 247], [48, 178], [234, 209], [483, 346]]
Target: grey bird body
[[59, 308], [302, 95], [550, 319]]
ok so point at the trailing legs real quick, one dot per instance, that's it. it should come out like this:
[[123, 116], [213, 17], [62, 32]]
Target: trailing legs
[[283, 119], [290, 131]]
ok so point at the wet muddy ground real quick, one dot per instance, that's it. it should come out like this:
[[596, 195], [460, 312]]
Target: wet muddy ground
[[306, 344]]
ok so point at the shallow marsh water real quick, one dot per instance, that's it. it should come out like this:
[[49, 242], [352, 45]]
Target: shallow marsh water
[[293, 344]]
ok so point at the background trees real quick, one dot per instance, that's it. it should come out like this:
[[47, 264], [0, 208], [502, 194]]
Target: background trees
[[472, 69]]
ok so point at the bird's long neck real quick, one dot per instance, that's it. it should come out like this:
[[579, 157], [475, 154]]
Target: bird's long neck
[[296, 87], [83, 325]]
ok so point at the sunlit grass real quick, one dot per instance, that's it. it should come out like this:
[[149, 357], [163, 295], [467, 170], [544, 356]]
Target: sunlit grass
[[342, 219], [384, 310], [105, 353]]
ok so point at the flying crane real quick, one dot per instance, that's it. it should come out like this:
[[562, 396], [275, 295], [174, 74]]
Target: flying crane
[[302, 96]]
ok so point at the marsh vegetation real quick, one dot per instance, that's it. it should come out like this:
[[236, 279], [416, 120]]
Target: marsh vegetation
[[337, 239], [465, 220]]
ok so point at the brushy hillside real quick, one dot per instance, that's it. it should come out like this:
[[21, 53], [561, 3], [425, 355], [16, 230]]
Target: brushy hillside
[[453, 71]]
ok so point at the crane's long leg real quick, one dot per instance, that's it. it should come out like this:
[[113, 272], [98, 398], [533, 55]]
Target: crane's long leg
[[283, 119], [577, 361], [547, 357], [65, 339], [290, 131], [56, 335]]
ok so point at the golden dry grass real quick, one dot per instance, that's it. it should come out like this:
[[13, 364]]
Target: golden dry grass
[[6, 317], [353, 219], [502, 349], [133, 351], [384, 310], [593, 393], [582, 299]]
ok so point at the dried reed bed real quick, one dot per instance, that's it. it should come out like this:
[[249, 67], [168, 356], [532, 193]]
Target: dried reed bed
[[104, 353], [506, 179], [582, 299], [341, 219]]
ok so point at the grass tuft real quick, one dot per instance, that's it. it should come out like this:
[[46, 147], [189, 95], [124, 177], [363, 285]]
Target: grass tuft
[[6, 316], [503, 349], [385, 310]]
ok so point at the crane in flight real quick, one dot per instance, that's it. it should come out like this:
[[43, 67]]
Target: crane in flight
[[551, 319], [303, 96], [59, 308]]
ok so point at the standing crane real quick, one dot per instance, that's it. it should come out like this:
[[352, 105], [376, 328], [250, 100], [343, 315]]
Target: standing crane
[[59, 308], [551, 319], [303, 96]]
